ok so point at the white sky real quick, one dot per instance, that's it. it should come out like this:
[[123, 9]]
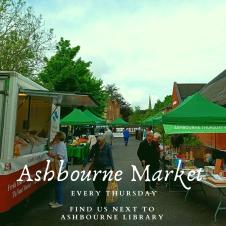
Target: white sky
[[143, 46]]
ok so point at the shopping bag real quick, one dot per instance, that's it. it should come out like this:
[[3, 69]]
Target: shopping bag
[[91, 167], [55, 166], [112, 190]]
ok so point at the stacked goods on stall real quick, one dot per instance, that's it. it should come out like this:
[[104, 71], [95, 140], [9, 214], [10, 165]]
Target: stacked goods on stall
[[26, 143]]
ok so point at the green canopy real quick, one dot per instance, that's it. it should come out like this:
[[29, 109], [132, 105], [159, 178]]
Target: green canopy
[[98, 120], [77, 117], [153, 120], [119, 122], [195, 115]]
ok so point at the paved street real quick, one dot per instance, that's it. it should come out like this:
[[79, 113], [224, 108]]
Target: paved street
[[195, 212]]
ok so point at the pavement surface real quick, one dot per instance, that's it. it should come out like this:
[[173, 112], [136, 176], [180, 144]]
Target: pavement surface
[[164, 209]]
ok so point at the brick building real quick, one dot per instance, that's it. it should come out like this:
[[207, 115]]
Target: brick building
[[112, 110], [183, 90]]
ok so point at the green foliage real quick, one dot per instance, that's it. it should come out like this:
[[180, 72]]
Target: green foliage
[[139, 115], [65, 73], [113, 93], [167, 138], [23, 38], [160, 105], [191, 140]]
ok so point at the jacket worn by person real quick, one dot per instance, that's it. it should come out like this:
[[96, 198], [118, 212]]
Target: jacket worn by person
[[102, 159], [126, 133], [150, 153], [108, 136]]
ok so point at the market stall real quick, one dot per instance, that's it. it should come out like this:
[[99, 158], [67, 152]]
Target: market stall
[[153, 120], [78, 152], [119, 122], [79, 148], [198, 115], [118, 125], [77, 117], [195, 115], [29, 119], [98, 120]]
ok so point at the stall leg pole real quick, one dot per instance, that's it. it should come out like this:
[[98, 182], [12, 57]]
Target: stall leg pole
[[203, 190], [186, 196], [219, 207]]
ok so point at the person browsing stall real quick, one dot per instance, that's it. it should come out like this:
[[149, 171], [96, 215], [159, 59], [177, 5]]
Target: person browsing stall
[[148, 154], [59, 153]]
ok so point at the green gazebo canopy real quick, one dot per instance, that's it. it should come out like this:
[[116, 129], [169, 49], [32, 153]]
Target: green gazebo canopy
[[195, 115], [153, 120], [98, 120], [119, 122], [77, 117]]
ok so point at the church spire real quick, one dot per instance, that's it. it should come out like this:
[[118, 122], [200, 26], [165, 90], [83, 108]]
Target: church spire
[[149, 104]]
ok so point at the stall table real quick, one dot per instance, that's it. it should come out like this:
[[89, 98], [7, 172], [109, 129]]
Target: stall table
[[80, 152], [173, 186], [221, 191], [220, 188]]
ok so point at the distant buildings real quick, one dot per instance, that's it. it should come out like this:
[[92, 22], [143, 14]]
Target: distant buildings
[[183, 90], [112, 110]]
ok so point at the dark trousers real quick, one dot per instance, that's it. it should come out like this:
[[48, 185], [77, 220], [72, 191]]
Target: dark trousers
[[101, 186], [126, 139], [151, 183], [59, 192]]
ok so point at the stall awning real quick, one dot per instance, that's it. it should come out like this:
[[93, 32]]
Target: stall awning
[[119, 122], [77, 117], [195, 115], [62, 99], [98, 120], [153, 120]]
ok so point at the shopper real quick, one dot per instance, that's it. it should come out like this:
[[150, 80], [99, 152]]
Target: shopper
[[59, 153], [126, 136], [148, 154], [102, 160], [108, 136], [91, 141]]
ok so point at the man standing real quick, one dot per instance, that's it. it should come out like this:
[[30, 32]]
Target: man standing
[[148, 153], [108, 136], [126, 136]]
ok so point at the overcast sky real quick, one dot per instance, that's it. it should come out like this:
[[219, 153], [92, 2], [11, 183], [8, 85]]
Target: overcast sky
[[143, 46]]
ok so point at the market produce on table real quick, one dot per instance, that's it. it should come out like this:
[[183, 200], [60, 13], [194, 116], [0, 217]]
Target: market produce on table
[[28, 142]]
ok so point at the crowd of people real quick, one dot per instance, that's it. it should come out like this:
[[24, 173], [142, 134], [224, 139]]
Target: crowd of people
[[100, 155]]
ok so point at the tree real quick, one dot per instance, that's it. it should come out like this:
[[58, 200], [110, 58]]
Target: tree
[[113, 93], [159, 105], [23, 38], [63, 72], [139, 115]]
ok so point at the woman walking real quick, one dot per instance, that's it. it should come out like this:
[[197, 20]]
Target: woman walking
[[102, 160]]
